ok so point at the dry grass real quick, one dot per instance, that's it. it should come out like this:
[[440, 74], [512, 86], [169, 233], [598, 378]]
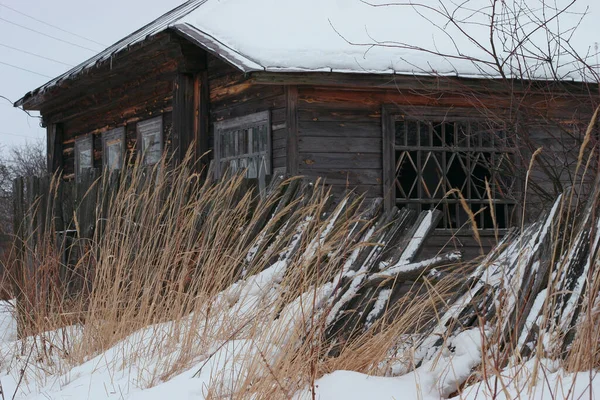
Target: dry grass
[[159, 284], [156, 285]]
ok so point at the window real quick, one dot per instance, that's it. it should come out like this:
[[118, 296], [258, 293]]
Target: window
[[113, 149], [244, 144], [149, 139], [433, 156], [84, 155]]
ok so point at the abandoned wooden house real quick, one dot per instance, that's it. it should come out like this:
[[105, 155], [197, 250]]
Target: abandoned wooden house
[[309, 94]]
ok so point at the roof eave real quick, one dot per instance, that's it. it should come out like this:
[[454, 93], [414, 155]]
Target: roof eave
[[217, 48]]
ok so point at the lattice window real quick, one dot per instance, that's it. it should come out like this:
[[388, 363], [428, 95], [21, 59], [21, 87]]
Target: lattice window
[[244, 144], [84, 156], [434, 157], [113, 149]]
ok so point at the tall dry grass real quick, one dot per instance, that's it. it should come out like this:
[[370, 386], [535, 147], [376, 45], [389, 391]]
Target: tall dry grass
[[175, 272], [174, 275]]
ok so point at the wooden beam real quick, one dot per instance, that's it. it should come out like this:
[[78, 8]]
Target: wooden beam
[[291, 95], [412, 82], [387, 132], [54, 138]]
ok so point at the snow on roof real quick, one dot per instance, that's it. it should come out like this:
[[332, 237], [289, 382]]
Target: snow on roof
[[442, 37]]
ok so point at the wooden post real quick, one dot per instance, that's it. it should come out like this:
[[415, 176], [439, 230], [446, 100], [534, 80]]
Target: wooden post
[[54, 137], [200, 122], [19, 266], [291, 95], [183, 115], [387, 131]]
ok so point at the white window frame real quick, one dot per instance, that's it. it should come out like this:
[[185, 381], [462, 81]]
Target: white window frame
[[142, 131], [261, 158], [82, 144], [110, 138]]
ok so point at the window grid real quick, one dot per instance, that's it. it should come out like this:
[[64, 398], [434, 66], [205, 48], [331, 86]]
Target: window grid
[[150, 140], [434, 157], [244, 144], [84, 156], [113, 149]]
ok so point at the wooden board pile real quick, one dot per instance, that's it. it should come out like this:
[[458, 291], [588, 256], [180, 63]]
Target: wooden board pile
[[534, 284]]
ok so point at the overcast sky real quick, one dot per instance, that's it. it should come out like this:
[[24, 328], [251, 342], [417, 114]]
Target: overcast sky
[[103, 22]]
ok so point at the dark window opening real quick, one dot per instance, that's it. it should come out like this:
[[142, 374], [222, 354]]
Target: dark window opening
[[440, 162]]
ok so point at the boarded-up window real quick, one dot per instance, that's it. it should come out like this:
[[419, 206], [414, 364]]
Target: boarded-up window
[[435, 159], [150, 140], [244, 144], [113, 149], [84, 156]]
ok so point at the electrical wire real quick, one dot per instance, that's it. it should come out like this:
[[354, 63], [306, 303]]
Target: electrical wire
[[53, 26], [50, 36], [25, 69], [18, 135], [34, 54]]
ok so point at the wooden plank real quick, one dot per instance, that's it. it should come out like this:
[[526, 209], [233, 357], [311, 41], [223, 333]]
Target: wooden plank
[[411, 82], [314, 144], [369, 191], [246, 108], [309, 161], [346, 177], [340, 129], [335, 113]]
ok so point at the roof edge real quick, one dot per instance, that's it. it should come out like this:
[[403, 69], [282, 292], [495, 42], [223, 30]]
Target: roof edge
[[216, 47]]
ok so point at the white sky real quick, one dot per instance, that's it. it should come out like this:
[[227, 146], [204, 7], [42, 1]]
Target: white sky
[[102, 21]]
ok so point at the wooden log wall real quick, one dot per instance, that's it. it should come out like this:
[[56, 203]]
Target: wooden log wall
[[232, 94], [137, 85], [339, 139]]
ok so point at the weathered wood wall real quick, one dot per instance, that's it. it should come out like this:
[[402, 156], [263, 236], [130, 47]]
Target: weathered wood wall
[[232, 94], [339, 139], [140, 84], [323, 125]]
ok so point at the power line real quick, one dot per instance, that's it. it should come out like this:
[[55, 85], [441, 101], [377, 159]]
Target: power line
[[53, 26], [18, 135], [25, 69], [25, 111], [50, 36], [34, 54]]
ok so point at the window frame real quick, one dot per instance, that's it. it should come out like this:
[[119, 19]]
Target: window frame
[[109, 136], [393, 113], [140, 139], [242, 123], [83, 140]]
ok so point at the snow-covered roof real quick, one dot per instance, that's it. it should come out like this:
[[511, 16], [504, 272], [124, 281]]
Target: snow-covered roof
[[441, 37]]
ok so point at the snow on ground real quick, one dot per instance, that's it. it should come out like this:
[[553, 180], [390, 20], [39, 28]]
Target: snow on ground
[[8, 325], [109, 376]]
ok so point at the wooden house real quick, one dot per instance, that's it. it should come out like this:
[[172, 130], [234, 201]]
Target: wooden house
[[314, 88]]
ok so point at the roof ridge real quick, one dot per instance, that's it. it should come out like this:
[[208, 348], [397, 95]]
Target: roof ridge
[[156, 26]]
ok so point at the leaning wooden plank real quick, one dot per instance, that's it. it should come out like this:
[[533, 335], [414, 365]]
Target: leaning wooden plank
[[347, 309], [412, 271], [411, 244]]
